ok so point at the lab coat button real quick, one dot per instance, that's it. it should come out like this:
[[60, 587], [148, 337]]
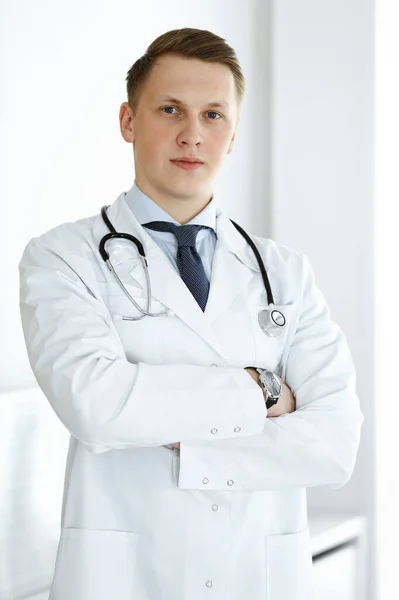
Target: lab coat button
[[230, 482], [171, 313], [236, 429], [214, 430], [215, 507], [208, 584], [205, 480]]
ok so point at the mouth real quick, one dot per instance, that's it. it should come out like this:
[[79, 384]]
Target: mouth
[[187, 164], [188, 159]]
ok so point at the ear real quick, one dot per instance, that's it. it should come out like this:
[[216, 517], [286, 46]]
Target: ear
[[126, 122], [231, 143]]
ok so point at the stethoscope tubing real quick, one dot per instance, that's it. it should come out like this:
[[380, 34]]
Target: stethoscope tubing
[[266, 282]]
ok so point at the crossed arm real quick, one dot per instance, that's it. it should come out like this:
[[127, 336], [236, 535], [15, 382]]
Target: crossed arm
[[286, 403]]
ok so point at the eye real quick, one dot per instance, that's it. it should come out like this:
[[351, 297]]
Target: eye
[[166, 107], [214, 113]]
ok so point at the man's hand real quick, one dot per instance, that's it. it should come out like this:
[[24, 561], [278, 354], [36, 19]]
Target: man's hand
[[286, 403]]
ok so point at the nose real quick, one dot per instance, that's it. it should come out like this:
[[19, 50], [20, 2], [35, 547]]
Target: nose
[[190, 135]]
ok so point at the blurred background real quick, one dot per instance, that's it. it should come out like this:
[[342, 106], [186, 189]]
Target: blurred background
[[315, 167]]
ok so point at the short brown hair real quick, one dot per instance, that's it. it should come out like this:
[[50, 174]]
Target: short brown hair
[[189, 43]]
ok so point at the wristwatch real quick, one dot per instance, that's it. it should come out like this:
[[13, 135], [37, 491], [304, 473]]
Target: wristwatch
[[271, 385]]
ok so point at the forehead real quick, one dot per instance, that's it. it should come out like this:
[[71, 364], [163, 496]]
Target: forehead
[[174, 75]]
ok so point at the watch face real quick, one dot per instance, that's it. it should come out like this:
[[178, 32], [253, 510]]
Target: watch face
[[272, 383]]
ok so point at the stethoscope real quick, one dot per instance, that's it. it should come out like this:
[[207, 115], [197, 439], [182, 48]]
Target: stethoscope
[[271, 320]]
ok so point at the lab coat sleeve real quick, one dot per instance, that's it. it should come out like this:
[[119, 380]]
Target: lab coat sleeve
[[104, 400], [315, 445]]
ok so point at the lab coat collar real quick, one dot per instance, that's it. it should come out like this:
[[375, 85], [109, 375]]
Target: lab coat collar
[[234, 263]]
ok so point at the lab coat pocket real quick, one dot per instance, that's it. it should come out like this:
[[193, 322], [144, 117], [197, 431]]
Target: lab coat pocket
[[93, 564], [289, 568], [269, 350]]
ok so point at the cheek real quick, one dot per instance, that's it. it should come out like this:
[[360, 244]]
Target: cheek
[[151, 139], [219, 143]]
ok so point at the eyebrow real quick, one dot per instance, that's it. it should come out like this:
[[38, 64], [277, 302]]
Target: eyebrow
[[168, 98]]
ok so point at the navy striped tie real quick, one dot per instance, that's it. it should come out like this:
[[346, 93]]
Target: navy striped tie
[[188, 260]]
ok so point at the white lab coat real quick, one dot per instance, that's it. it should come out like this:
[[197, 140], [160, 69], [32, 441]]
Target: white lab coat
[[226, 517]]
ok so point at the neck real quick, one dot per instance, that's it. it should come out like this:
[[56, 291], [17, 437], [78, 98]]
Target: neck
[[181, 209]]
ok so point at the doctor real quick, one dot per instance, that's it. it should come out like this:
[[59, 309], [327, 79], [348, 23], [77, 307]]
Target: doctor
[[180, 484]]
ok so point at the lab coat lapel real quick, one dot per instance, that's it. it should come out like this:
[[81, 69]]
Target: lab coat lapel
[[232, 268]]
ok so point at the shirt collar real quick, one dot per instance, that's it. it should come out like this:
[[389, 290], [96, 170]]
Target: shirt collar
[[146, 210]]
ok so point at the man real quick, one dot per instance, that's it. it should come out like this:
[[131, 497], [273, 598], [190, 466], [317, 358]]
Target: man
[[181, 483]]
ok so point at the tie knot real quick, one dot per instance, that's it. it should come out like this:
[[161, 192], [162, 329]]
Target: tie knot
[[185, 234]]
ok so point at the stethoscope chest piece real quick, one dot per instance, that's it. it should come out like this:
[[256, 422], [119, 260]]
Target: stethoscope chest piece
[[272, 321]]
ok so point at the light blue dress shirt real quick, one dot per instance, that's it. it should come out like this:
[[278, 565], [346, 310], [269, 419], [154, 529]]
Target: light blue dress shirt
[[146, 210]]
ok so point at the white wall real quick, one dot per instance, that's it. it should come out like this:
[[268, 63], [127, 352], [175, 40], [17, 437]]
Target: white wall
[[387, 292], [321, 189]]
